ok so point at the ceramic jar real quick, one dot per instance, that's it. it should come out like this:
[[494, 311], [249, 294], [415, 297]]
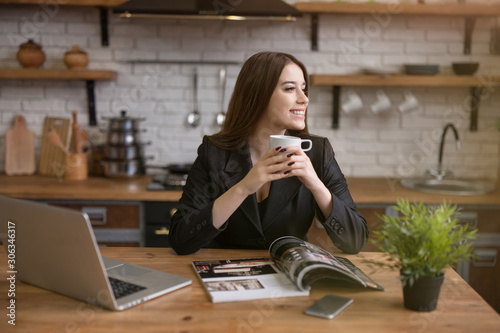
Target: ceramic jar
[[76, 58], [30, 55]]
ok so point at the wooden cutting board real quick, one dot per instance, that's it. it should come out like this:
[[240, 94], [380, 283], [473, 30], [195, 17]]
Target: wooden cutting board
[[52, 158], [19, 149]]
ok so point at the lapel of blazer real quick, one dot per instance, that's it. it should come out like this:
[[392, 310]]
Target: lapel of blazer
[[238, 165], [281, 193]]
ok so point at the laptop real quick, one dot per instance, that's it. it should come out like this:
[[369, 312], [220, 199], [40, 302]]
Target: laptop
[[55, 249]]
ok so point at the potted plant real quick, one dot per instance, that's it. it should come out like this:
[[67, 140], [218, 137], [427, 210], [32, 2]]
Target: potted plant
[[422, 241]]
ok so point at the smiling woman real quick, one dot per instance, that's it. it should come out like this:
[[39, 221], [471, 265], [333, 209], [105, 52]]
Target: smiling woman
[[242, 194], [288, 103], [257, 82]]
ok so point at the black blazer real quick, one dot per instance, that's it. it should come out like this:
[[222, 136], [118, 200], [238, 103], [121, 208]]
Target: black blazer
[[291, 207]]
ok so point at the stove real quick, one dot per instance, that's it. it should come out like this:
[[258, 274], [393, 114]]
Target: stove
[[168, 182]]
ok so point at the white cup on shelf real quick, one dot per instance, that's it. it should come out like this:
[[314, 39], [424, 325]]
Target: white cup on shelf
[[353, 102], [409, 103], [383, 103]]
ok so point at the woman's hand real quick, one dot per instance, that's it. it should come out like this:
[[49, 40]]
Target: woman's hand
[[273, 165], [300, 165], [291, 162]]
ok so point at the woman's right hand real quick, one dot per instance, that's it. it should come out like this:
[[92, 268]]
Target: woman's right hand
[[271, 166]]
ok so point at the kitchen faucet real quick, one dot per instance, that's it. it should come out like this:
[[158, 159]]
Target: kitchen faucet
[[440, 173]]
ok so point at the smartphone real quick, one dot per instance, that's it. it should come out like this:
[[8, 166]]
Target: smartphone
[[328, 306]]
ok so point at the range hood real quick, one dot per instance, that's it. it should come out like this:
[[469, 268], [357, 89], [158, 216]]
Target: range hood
[[209, 9]]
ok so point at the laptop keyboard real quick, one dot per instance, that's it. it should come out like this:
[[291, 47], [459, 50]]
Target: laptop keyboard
[[122, 288]]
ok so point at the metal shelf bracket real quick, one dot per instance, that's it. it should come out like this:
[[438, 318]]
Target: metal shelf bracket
[[336, 107], [91, 102], [314, 31], [104, 26], [474, 107], [469, 27]]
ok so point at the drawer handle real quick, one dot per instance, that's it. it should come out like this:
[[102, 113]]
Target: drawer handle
[[162, 232], [485, 258], [97, 215], [468, 218]]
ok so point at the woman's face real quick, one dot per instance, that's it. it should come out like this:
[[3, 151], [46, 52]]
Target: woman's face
[[288, 103]]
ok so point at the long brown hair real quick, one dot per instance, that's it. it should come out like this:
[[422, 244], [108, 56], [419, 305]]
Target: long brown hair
[[252, 92]]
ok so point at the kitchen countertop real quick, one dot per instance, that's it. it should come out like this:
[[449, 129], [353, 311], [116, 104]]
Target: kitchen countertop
[[363, 190]]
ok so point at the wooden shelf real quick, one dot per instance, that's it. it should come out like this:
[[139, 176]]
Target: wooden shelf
[[89, 76], [469, 11], [398, 8], [88, 3], [404, 80], [102, 5], [475, 83], [56, 74]]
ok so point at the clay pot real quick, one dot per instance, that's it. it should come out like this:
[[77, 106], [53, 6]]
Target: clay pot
[[30, 55], [76, 58]]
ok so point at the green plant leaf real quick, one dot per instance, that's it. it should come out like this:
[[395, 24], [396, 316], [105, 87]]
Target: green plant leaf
[[423, 240]]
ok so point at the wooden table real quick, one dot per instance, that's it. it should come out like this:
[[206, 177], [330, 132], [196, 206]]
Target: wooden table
[[460, 308]]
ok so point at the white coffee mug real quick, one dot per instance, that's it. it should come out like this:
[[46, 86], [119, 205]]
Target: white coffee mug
[[284, 141], [353, 102], [409, 103], [383, 103]]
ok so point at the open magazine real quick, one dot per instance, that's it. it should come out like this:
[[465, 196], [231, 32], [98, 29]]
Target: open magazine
[[290, 271]]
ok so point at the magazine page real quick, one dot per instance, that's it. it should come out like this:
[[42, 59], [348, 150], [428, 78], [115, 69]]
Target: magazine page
[[305, 263], [244, 279]]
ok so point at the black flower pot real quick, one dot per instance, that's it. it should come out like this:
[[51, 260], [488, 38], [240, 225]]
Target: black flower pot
[[423, 294]]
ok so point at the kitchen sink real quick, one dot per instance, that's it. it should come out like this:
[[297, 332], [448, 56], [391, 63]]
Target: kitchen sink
[[449, 186]]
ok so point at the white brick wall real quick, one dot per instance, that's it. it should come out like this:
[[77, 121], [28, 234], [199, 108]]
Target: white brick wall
[[385, 145]]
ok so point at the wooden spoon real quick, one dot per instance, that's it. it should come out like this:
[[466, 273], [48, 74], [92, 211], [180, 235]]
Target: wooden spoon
[[76, 133], [56, 140]]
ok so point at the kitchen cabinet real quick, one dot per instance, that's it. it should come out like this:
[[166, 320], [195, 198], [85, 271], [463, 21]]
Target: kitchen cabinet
[[115, 223], [483, 271], [89, 76], [371, 214], [158, 217]]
